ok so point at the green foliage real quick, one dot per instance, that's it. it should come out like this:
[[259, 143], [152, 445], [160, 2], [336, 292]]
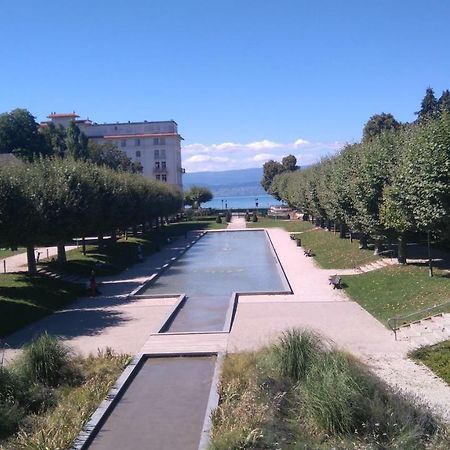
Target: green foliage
[[379, 123], [321, 398], [437, 358], [397, 290], [46, 360], [254, 217], [43, 417], [218, 219], [78, 198], [295, 351], [19, 134], [109, 155], [76, 142], [270, 170], [429, 106], [196, 195]]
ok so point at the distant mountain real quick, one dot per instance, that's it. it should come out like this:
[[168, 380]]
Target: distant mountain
[[228, 182]]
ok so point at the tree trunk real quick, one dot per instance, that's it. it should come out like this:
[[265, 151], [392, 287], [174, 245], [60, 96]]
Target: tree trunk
[[328, 225], [363, 241], [61, 258], [134, 230], [342, 230], [100, 241], [113, 237], [31, 259], [83, 245], [322, 222], [378, 247], [401, 249]]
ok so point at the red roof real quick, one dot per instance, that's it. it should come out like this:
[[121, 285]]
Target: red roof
[[63, 115]]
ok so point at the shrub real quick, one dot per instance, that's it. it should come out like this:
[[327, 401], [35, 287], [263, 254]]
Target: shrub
[[295, 351], [219, 219], [254, 217], [247, 217], [228, 216], [48, 361]]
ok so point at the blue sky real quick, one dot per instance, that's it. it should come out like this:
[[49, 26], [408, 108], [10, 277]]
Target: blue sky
[[244, 79]]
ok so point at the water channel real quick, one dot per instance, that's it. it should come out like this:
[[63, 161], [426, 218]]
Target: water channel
[[165, 404]]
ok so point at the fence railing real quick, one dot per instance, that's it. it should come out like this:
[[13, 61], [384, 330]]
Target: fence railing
[[394, 323]]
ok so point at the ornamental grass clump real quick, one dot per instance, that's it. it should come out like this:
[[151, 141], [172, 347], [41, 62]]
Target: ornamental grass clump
[[48, 361], [301, 392]]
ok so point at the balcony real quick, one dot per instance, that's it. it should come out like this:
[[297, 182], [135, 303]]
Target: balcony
[[159, 170]]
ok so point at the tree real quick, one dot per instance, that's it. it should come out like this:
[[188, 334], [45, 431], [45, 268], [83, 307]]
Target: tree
[[379, 123], [429, 106], [289, 163], [197, 195], [55, 138], [76, 142], [270, 170], [19, 134], [444, 101], [109, 155]]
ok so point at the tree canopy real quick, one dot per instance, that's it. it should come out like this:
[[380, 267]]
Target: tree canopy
[[379, 123], [196, 195]]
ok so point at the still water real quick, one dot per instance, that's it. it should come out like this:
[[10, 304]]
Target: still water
[[242, 202]]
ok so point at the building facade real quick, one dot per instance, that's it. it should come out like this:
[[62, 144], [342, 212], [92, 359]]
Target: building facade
[[156, 145]]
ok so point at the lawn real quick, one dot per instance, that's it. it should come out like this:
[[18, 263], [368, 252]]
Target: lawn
[[330, 251], [6, 252], [398, 290], [289, 225], [437, 358], [24, 299], [113, 258]]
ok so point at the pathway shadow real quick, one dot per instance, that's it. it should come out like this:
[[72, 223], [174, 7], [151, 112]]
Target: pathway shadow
[[68, 324]]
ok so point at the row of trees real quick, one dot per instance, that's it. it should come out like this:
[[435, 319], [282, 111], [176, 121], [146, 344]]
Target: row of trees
[[22, 136], [392, 184], [55, 199]]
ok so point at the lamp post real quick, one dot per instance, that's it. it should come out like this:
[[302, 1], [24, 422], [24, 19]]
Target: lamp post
[[256, 202], [222, 204]]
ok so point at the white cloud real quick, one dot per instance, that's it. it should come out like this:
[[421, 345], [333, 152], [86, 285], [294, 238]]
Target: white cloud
[[230, 155]]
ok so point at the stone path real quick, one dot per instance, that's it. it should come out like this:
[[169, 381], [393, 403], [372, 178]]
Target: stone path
[[237, 223], [18, 262]]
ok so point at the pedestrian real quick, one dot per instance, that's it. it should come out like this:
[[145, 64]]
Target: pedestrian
[[93, 284]]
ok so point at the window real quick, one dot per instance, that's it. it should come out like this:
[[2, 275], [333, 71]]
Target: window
[[123, 143], [163, 153], [159, 141], [115, 128], [163, 165], [157, 165], [156, 154], [158, 177], [137, 142], [138, 153], [164, 177]]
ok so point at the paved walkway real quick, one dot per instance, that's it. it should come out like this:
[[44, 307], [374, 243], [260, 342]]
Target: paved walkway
[[18, 262], [237, 223]]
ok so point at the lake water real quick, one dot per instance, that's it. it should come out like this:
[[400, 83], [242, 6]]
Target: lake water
[[242, 202]]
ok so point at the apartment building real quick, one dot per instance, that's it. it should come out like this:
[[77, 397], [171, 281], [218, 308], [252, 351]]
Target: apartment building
[[156, 145]]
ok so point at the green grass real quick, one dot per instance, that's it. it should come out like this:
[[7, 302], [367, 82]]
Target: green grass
[[6, 252], [38, 416], [115, 257], [329, 250], [437, 358], [301, 393], [398, 290], [24, 299], [289, 225]]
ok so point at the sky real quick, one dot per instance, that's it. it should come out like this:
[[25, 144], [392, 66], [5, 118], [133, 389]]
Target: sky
[[246, 80]]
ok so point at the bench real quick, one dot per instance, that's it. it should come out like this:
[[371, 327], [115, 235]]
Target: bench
[[308, 252], [335, 281]]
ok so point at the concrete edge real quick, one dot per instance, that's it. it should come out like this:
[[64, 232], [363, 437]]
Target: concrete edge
[[213, 403], [279, 262], [95, 422], [98, 418], [165, 266], [167, 320]]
